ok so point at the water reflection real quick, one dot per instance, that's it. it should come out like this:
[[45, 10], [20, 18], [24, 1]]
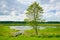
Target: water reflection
[[29, 27], [21, 27]]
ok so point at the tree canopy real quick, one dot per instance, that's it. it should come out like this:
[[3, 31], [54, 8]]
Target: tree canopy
[[34, 14]]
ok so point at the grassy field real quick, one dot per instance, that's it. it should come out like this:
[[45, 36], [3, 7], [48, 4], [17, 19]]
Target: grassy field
[[45, 34]]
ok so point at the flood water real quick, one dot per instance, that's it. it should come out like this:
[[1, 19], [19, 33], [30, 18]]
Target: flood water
[[28, 27], [21, 27]]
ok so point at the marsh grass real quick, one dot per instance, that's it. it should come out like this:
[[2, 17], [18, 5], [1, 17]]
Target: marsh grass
[[45, 34]]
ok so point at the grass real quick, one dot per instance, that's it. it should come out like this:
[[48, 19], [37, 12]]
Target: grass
[[22, 37], [45, 34]]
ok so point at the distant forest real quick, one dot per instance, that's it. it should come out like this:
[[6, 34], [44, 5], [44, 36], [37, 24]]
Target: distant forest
[[23, 22]]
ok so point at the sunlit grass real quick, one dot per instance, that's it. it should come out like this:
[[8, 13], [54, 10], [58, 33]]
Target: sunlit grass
[[45, 34]]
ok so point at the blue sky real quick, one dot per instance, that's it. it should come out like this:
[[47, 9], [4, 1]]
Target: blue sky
[[14, 10]]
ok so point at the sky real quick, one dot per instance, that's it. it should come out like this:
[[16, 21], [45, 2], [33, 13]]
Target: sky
[[14, 10]]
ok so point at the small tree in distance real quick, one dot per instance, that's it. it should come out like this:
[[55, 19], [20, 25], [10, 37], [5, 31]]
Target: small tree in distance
[[34, 14]]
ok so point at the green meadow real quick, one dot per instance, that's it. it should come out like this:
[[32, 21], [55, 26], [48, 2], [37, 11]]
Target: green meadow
[[46, 34]]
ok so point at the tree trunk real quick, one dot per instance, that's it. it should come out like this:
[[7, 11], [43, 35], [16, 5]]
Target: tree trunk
[[36, 30]]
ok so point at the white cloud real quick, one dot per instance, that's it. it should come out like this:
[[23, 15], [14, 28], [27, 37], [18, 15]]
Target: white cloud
[[26, 2], [2, 4], [13, 17], [57, 5], [52, 16], [48, 7], [51, 1], [13, 13], [57, 13], [49, 16]]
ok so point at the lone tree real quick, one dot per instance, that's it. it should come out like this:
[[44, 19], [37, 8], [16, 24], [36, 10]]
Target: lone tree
[[34, 15]]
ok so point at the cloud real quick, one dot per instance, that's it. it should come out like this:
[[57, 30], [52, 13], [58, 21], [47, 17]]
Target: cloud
[[52, 1], [48, 7], [26, 2], [12, 17], [11, 11], [58, 14], [14, 10], [57, 0], [44, 1], [57, 5], [52, 17]]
